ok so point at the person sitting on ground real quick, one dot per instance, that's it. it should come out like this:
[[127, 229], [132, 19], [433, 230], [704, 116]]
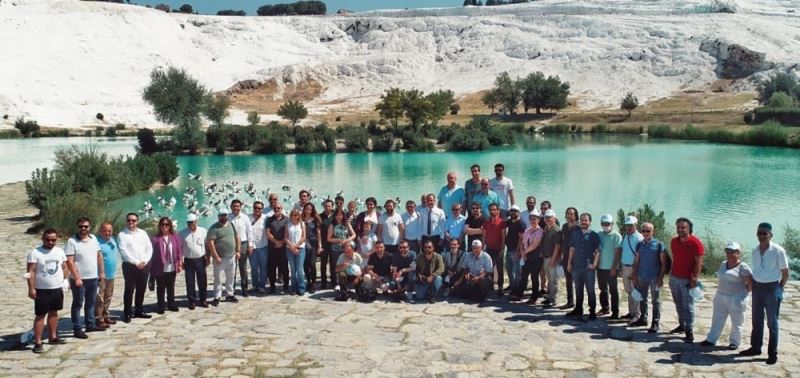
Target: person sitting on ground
[[378, 272], [430, 267], [476, 282], [731, 297], [348, 267], [453, 260], [403, 269]]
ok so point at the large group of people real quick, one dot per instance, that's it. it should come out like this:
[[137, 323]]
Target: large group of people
[[429, 251]]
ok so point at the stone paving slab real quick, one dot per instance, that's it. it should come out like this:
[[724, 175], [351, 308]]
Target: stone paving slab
[[287, 336]]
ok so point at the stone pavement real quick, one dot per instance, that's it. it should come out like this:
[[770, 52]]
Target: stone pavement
[[316, 336]]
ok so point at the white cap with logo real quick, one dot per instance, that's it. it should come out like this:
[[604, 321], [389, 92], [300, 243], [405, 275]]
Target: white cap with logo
[[607, 218], [534, 214], [631, 220], [514, 208], [549, 213], [192, 217], [733, 246]]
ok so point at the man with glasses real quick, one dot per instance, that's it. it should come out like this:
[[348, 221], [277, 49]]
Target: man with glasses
[[429, 268], [85, 264], [195, 261], [432, 220], [485, 197], [473, 226], [47, 270], [454, 225], [770, 268], [105, 287], [390, 228], [244, 229], [494, 234], [411, 226], [504, 188], [626, 252], [403, 269], [687, 261], [136, 250], [259, 258], [223, 246], [649, 267], [277, 262], [606, 277], [584, 254], [476, 282], [451, 194]]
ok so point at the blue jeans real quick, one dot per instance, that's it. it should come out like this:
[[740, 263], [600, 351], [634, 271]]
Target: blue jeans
[[258, 267], [85, 297], [684, 303], [513, 268], [645, 287], [583, 278], [766, 298], [424, 288], [296, 270]]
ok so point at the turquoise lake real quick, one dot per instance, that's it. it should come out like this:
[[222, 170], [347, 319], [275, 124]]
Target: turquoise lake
[[725, 188]]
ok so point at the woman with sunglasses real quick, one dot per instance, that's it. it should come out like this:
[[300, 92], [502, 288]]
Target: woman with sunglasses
[[166, 263], [731, 297], [339, 233]]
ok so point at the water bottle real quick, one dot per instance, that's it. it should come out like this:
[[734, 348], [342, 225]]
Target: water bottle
[[697, 292]]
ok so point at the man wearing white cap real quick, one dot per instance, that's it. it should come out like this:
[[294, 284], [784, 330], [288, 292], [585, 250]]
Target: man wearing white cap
[[609, 241], [477, 280], [731, 297], [551, 245], [224, 248], [626, 251], [195, 261]]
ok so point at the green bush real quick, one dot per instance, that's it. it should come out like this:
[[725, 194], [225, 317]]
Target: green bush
[[599, 129], [556, 129], [60, 212], [632, 130], [472, 140], [143, 172], [110, 132], [659, 131], [44, 184], [10, 134], [307, 140], [424, 145], [356, 139], [328, 137], [26, 128], [780, 100], [238, 138], [213, 136], [689, 132], [714, 252], [270, 140], [383, 142], [786, 116], [768, 134], [647, 213], [88, 166], [55, 133], [167, 166], [722, 136], [147, 141], [496, 134], [748, 117], [447, 132]]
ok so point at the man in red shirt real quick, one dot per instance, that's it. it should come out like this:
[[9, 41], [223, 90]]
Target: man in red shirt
[[687, 260], [494, 234]]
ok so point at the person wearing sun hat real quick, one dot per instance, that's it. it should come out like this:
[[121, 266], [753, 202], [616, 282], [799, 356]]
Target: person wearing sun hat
[[770, 269], [731, 297]]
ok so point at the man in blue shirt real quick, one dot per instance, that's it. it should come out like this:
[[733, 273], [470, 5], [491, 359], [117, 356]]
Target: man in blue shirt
[[109, 250], [584, 253], [485, 197], [626, 251], [476, 283], [451, 194], [648, 275]]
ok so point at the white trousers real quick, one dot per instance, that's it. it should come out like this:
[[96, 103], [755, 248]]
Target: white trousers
[[228, 266], [734, 306]]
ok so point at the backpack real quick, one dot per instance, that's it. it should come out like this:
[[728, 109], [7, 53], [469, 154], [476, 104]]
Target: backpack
[[341, 296], [364, 295]]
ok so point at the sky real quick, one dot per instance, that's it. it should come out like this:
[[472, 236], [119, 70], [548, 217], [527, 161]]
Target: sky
[[250, 6]]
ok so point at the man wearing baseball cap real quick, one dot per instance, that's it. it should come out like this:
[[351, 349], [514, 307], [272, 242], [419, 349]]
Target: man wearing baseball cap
[[770, 272], [623, 263], [195, 261], [731, 297], [609, 241]]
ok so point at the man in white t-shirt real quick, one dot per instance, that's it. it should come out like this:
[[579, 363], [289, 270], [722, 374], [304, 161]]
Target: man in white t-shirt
[[47, 270], [504, 188], [244, 229], [390, 228], [85, 264]]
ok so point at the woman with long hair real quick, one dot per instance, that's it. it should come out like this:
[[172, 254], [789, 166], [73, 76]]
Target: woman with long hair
[[296, 251], [166, 263], [339, 233]]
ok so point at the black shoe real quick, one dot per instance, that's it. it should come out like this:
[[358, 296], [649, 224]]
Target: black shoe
[[126, 318], [639, 323], [592, 316], [38, 348], [272, 290], [312, 289], [573, 313], [203, 304], [499, 293], [160, 311], [95, 329], [614, 316], [772, 359], [532, 300], [543, 292], [191, 305], [508, 288], [750, 352], [548, 304], [430, 300], [173, 308], [142, 315], [80, 335], [215, 302], [603, 312], [678, 329], [706, 343], [56, 341], [566, 306], [689, 338], [627, 316], [653, 328], [244, 293], [733, 347], [231, 299]]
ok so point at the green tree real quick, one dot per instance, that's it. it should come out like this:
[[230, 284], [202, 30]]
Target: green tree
[[647, 213], [781, 82], [253, 119], [491, 100], [186, 8], [780, 100], [26, 128], [217, 109], [629, 103], [508, 93], [417, 107], [539, 93], [441, 101], [293, 111], [391, 105], [179, 100], [147, 141]]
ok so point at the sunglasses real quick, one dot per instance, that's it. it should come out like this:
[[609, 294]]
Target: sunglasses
[[164, 224], [258, 208], [762, 233], [648, 231], [83, 226], [131, 220], [51, 240]]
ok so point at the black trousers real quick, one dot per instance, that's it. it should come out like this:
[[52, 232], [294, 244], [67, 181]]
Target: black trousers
[[497, 261], [608, 285], [324, 260], [135, 285], [474, 291], [310, 263], [165, 283], [277, 263], [570, 287], [532, 267], [195, 272]]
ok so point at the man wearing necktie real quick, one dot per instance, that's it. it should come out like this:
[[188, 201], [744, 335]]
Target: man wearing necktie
[[433, 219]]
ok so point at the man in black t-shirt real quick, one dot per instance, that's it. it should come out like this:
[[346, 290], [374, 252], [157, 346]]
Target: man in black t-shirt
[[515, 227], [474, 224], [378, 270]]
